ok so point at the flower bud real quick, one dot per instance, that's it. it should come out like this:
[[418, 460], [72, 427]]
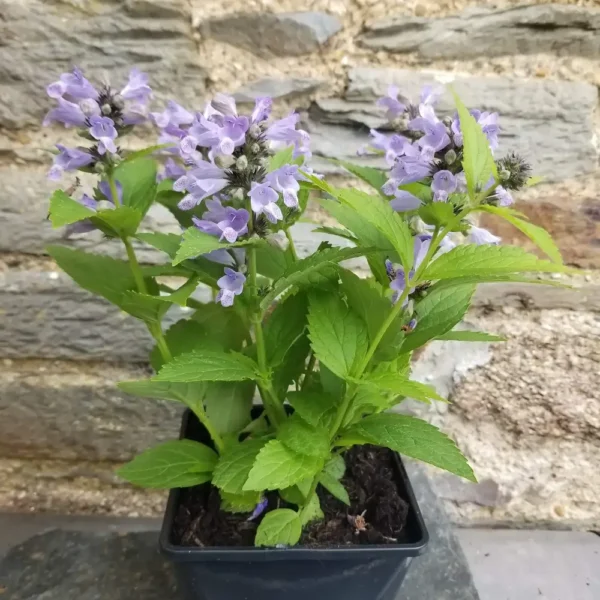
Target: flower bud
[[254, 130], [224, 161], [447, 121], [99, 168], [238, 194], [106, 109], [242, 163], [450, 157], [504, 174], [118, 102], [255, 148], [264, 161]]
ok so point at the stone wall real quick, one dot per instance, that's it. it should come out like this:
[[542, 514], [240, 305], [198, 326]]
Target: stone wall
[[526, 412]]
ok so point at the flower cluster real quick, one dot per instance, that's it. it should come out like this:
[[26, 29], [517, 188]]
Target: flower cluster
[[102, 115], [227, 155]]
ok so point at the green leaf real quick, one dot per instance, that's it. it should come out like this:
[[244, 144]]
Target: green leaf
[[335, 467], [440, 310], [191, 394], [239, 503], [196, 243], [138, 178], [280, 527], [231, 472], [283, 157], [312, 511], [284, 327], [367, 400], [165, 242], [488, 261], [292, 367], [107, 277], [380, 214], [316, 408], [134, 155], [228, 405], [470, 336], [170, 200], [374, 177], [271, 261], [338, 335], [181, 295], [303, 271], [64, 210], [411, 437], [120, 222], [208, 365], [277, 467], [478, 160], [539, 236], [337, 231], [223, 326], [334, 487], [437, 213], [332, 384], [365, 297], [405, 387], [180, 463], [183, 336], [301, 437], [142, 306]]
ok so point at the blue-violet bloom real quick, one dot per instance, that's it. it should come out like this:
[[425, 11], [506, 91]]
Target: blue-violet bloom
[[263, 199], [68, 159], [103, 129], [444, 183], [231, 285]]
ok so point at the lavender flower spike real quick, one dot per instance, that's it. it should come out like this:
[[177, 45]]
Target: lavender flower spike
[[443, 184], [201, 182], [231, 285], [479, 236], [262, 109], [68, 159], [504, 196], [103, 130], [67, 113], [285, 180], [137, 87], [74, 85], [390, 102], [405, 201], [225, 105], [263, 199], [234, 222]]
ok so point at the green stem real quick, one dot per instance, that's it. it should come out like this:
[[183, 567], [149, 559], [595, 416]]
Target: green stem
[[214, 434], [288, 235], [309, 369], [136, 270], [113, 189], [312, 491]]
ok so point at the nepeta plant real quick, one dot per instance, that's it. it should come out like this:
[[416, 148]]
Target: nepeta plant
[[306, 331]]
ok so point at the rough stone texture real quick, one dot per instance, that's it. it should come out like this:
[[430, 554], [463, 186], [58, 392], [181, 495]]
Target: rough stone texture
[[43, 39], [103, 424], [276, 88], [561, 30], [67, 565], [550, 123], [274, 34]]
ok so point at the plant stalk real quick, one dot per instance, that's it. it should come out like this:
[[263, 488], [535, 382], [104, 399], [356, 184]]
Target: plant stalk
[[288, 235]]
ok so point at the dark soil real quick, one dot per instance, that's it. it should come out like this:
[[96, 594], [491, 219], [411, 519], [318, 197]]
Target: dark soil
[[377, 514]]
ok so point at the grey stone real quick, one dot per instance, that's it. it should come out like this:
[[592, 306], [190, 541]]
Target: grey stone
[[43, 39], [276, 88], [63, 565], [274, 34], [64, 411], [550, 122], [556, 29]]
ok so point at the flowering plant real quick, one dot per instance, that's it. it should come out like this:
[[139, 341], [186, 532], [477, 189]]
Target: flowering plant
[[306, 331]]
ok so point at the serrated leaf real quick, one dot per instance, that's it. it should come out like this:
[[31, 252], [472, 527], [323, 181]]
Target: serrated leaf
[[539, 236], [195, 243], [65, 211], [191, 394], [316, 408], [233, 467], [332, 385], [122, 221], [437, 213], [337, 334], [438, 313], [311, 511], [107, 277], [334, 487], [284, 327], [335, 466], [277, 467], [239, 503], [478, 160], [138, 179], [228, 405], [488, 261], [183, 336], [207, 365], [411, 437], [379, 213], [279, 527], [337, 231], [134, 155], [271, 261], [170, 200], [470, 336], [223, 326], [374, 177], [180, 463], [367, 400], [165, 242], [142, 306], [300, 272], [292, 367], [281, 158], [301, 437], [405, 387]]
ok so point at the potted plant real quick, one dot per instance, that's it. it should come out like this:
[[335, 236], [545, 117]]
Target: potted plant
[[304, 494]]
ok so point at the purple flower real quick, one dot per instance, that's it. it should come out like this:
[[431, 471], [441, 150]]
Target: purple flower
[[488, 122], [504, 196], [390, 102], [259, 509], [231, 285], [104, 188], [223, 139], [431, 94], [174, 115], [478, 235], [405, 201], [68, 113], [172, 170], [73, 85], [68, 159], [135, 113], [413, 166], [225, 105], [201, 182], [443, 184], [263, 199], [436, 137], [285, 181], [421, 244], [84, 226], [392, 145], [103, 130], [228, 223], [262, 109], [137, 87]]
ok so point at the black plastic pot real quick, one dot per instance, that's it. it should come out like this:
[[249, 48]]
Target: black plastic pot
[[298, 573]]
